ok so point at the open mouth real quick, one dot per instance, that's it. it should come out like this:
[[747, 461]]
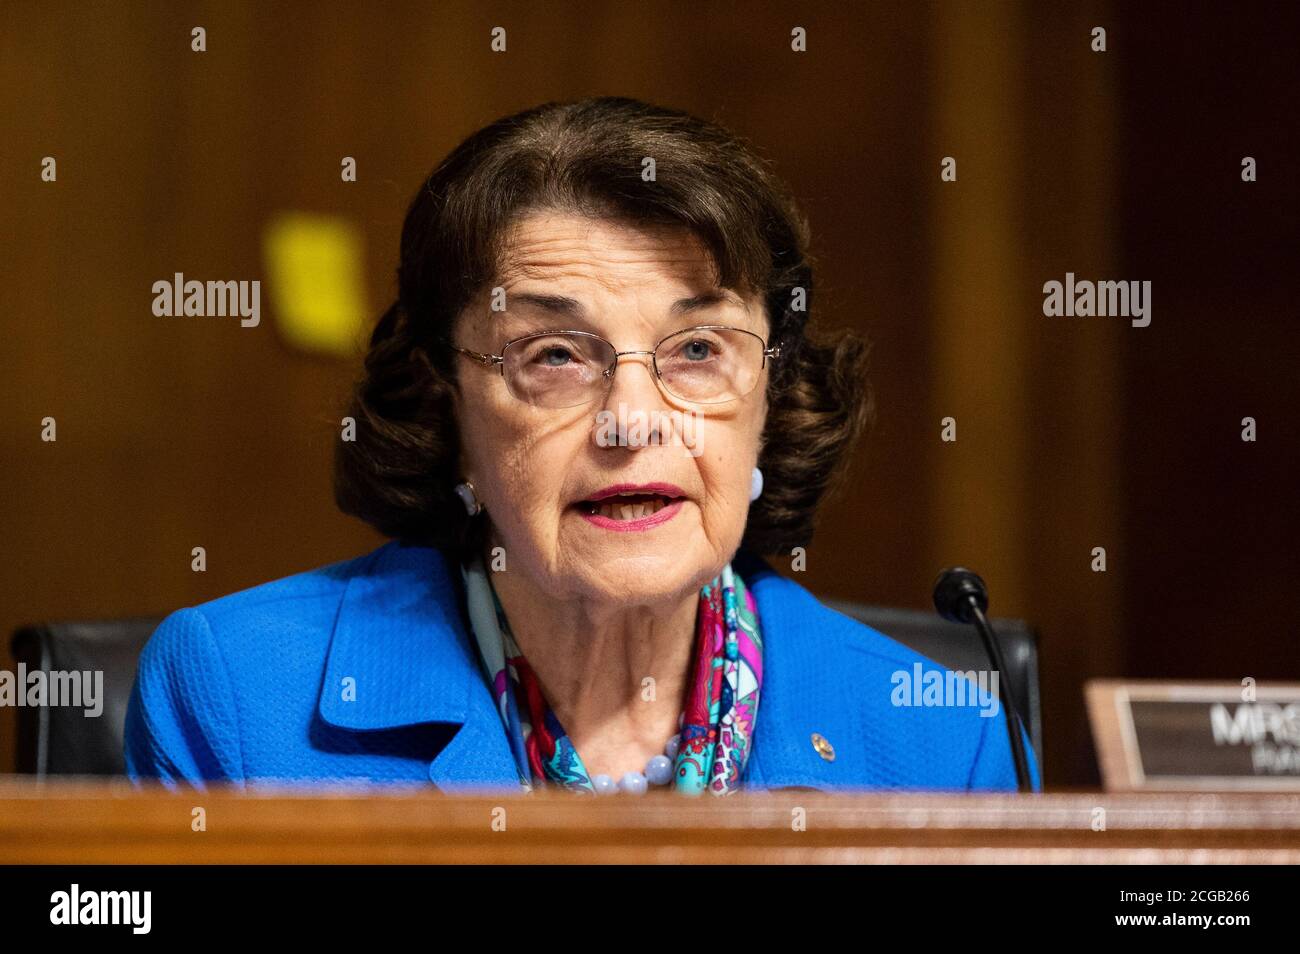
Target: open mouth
[[632, 506], [627, 506]]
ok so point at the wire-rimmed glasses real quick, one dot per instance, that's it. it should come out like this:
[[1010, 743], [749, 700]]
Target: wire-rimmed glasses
[[707, 364]]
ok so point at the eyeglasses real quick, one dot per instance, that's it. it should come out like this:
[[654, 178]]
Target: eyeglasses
[[708, 364]]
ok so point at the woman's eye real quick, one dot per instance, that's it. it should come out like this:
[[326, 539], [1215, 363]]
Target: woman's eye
[[555, 356], [698, 350]]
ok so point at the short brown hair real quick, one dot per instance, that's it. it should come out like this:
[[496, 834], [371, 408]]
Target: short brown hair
[[587, 157]]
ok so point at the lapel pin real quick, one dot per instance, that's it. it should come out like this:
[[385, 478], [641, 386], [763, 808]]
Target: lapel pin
[[823, 746]]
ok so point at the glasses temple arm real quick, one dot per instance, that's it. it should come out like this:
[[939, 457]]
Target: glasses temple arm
[[480, 357]]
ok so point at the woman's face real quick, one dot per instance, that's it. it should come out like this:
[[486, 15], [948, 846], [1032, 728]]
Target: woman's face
[[535, 469]]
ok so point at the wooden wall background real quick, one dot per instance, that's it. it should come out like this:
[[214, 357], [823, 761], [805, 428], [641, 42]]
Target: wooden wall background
[[1123, 165]]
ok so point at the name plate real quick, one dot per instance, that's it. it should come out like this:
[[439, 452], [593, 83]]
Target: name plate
[[1196, 736]]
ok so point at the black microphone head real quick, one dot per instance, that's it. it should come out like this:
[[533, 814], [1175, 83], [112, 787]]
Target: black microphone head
[[953, 591]]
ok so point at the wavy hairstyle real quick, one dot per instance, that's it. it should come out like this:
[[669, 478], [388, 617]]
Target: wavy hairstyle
[[587, 157]]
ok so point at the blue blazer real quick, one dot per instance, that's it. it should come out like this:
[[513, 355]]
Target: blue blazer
[[364, 672]]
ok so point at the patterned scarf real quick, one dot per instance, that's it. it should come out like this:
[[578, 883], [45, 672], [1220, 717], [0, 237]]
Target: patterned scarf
[[716, 725]]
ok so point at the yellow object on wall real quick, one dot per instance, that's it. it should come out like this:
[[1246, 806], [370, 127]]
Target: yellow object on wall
[[314, 279]]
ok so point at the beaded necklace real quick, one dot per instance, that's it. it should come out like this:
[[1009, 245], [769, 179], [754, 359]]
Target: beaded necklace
[[716, 726]]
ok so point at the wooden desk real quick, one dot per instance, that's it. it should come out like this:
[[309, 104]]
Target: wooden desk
[[112, 821]]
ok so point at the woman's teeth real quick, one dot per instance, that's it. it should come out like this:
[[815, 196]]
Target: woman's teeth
[[616, 509]]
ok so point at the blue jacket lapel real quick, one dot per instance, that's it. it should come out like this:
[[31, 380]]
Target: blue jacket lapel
[[401, 639], [796, 700]]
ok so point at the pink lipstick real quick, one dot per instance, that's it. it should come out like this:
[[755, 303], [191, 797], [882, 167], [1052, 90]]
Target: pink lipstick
[[632, 507]]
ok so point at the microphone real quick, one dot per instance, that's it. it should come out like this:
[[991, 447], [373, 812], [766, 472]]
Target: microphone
[[961, 597]]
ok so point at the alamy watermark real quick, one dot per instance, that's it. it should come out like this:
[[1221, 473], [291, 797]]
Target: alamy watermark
[[635, 428], [180, 298], [128, 908], [1083, 299], [934, 687], [54, 687]]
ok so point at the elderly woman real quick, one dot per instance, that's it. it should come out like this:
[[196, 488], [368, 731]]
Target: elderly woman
[[593, 405]]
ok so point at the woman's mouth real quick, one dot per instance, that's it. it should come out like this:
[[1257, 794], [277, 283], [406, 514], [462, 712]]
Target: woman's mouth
[[632, 509]]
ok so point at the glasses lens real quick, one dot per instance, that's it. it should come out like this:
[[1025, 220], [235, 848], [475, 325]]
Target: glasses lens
[[710, 365], [557, 370]]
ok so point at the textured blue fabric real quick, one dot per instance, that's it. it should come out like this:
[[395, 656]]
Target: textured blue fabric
[[363, 673]]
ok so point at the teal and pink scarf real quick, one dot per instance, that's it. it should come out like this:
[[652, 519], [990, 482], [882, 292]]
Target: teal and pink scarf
[[716, 725]]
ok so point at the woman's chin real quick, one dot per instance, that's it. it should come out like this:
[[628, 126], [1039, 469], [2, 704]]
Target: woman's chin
[[654, 576], [659, 563]]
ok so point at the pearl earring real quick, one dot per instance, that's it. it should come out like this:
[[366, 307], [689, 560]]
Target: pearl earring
[[755, 484], [465, 491]]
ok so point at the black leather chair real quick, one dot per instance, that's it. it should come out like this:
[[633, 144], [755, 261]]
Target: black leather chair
[[960, 649], [63, 741]]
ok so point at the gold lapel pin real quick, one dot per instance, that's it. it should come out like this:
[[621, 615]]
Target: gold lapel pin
[[823, 746]]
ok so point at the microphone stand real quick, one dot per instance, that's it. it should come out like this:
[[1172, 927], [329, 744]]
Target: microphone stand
[[994, 650], [960, 596]]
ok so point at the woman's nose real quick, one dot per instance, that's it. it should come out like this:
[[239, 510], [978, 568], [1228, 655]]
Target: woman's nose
[[635, 382], [634, 401]]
